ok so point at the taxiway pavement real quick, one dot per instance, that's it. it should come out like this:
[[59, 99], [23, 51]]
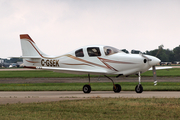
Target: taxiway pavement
[[48, 96]]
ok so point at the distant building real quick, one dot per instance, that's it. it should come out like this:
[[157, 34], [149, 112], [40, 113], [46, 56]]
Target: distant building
[[12, 62]]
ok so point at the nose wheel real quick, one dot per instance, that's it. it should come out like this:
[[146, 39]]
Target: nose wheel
[[139, 88]]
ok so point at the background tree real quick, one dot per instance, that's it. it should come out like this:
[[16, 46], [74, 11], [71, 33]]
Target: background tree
[[176, 53], [165, 55]]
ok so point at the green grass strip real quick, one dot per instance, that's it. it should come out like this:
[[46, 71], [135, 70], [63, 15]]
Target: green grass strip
[[92, 109], [126, 86]]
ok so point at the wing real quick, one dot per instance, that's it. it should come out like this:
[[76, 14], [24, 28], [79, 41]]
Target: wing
[[76, 71], [161, 68]]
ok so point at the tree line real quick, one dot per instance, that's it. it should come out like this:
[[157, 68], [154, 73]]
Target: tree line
[[166, 55]]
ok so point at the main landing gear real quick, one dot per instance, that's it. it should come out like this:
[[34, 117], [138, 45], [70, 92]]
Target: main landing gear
[[139, 88], [116, 87], [87, 88]]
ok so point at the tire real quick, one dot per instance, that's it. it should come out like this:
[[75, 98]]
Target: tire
[[86, 88], [118, 88], [139, 88]]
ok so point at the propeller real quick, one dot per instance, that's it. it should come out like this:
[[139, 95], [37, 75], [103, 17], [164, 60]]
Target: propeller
[[154, 75], [153, 68], [147, 59]]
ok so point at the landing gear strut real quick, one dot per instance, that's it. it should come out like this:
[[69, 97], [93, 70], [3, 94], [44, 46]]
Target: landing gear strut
[[116, 87], [139, 88]]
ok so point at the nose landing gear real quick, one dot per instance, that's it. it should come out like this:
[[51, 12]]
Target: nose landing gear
[[139, 88]]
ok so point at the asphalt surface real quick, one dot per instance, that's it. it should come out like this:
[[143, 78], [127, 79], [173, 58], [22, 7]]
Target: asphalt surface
[[49, 96]]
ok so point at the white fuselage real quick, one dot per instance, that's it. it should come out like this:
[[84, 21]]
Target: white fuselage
[[118, 63]]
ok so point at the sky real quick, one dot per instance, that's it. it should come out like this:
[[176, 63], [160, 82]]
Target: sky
[[61, 26]]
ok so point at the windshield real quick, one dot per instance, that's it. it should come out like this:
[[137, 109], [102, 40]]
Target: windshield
[[110, 50]]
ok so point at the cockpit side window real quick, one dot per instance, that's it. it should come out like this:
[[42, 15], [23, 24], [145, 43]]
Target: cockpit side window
[[110, 50], [93, 51], [79, 53]]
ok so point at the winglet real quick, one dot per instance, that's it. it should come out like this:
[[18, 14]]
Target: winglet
[[26, 36]]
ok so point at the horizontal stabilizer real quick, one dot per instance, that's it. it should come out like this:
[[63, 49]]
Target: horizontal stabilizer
[[27, 57]]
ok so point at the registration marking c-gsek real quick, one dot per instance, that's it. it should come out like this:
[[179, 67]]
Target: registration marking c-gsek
[[51, 62]]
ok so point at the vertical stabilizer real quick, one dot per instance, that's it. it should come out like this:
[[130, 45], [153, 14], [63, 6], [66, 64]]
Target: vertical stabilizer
[[29, 48]]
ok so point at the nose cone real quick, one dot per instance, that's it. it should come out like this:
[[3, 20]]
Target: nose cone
[[154, 60]]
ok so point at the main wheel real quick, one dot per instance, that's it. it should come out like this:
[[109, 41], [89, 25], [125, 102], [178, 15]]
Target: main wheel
[[117, 89], [139, 88], [86, 88]]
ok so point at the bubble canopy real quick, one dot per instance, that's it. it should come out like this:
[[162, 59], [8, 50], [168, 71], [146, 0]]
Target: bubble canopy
[[108, 50]]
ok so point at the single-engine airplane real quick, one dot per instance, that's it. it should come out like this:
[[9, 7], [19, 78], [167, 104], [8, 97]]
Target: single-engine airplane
[[94, 59]]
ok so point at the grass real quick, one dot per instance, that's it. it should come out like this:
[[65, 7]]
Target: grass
[[107, 86], [97, 108], [175, 72], [35, 74]]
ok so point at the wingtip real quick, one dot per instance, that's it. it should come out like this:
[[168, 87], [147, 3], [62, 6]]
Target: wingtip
[[26, 36]]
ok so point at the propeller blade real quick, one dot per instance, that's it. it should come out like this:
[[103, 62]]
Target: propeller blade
[[154, 75], [145, 57]]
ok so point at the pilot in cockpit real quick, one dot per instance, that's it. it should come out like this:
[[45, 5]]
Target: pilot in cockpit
[[108, 52]]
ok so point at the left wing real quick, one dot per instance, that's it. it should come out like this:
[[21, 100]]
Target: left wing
[[160, 68], [70, 70]]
